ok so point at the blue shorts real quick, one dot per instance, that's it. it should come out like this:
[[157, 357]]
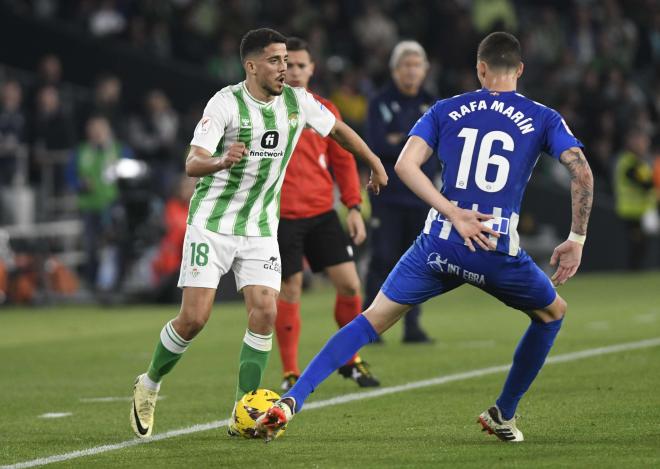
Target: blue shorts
[[433, 266]]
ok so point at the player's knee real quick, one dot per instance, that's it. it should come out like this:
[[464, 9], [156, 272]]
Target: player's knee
[[349, 288], [189, 325], [562, 307], [290, 291], [264, 314], [557, 310], [263, 310]]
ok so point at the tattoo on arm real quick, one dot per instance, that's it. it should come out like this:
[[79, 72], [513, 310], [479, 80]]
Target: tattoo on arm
[[582, 188]]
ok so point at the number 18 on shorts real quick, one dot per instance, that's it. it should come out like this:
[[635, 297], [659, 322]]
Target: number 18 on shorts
[[208, 255]]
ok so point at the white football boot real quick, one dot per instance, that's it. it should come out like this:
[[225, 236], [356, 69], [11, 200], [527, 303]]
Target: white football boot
[[492, 422], [142, 409]]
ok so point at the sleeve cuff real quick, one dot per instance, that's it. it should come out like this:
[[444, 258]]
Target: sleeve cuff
[[203, 145], [331, 124]]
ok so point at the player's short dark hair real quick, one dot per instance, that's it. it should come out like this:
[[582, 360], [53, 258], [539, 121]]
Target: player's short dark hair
[[296, 43], [257, 39], [500, 50]]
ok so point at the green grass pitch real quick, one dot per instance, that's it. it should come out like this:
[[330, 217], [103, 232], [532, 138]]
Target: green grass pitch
[[602, 411]]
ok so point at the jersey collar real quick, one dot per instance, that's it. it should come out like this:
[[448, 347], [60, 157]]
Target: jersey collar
[[486, 90], [260, 103]]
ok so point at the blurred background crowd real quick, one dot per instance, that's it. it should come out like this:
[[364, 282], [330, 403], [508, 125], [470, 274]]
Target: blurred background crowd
[[125, 81]]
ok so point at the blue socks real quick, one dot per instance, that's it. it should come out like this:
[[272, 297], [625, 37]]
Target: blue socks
[[527, 362], [337, 351]]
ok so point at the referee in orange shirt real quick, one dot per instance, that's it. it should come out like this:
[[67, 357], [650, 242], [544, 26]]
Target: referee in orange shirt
[[309, 227]]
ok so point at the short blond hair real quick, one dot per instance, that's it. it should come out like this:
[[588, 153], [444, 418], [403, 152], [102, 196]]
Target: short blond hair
[[404, 48]]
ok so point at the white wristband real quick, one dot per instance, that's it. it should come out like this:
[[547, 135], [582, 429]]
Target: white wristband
[[580, 239]]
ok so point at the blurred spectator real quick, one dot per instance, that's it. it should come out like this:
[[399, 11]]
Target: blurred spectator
[[197, 24], [12, 129], [397, 214], [50, 70], [654, 37], [106, 20], [599, 157], [226, 64], [635, 195], [656, 172], [107, 102], [50, 73], [378, 34], [492, 15], [167, 262], [153, 136], [53, 137], [160, 41], [351, 103], [90, 175], [546, 39], [137, 32], [620, 33], [583, 37], [54, 128]]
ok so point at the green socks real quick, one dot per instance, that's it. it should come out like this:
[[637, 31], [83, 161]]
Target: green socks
[[168, 351], [252, 361]]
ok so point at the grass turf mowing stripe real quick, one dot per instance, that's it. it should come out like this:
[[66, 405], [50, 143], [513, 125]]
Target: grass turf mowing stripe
[[563, 358]]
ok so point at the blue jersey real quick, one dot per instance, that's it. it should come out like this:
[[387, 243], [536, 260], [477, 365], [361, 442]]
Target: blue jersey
[[488, 143]]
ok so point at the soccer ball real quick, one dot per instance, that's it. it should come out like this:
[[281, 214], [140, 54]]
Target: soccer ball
[[252, 406]]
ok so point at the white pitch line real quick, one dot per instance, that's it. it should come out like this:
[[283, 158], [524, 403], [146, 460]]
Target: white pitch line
[[54, 415], [566, 357]]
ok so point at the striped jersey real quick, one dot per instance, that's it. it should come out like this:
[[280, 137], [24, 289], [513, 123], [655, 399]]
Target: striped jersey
[[245, 200], [488, 143]]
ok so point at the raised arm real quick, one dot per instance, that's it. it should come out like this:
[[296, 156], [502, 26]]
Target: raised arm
[[200, 162], [568, 255], [351, 141], [467, 222]]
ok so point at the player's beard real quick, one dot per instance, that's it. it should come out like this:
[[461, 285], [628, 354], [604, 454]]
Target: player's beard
[[271, 90]]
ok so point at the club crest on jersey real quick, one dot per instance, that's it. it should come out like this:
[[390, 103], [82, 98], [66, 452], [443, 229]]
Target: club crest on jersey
[[293, 119], [270, 139]]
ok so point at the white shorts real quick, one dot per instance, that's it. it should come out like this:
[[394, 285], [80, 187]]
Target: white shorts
[[208, 255]]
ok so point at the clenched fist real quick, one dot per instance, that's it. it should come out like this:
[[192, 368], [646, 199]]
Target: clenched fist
[[234, 154]]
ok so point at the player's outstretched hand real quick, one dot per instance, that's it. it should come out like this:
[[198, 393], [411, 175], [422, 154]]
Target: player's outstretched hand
[[469, 225], [234, 154], [378, 178], [355, 226], [566, 257]]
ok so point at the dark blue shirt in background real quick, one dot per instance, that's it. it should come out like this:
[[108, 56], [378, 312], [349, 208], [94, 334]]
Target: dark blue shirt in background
[[390, 111]]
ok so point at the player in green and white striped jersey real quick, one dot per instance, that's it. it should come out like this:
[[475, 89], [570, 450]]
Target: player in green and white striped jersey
[[240, 150]]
